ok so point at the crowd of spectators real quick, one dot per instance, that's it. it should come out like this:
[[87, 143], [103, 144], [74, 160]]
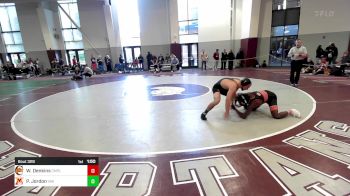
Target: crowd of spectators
[[228, 59], [327, 62], [24, 69]]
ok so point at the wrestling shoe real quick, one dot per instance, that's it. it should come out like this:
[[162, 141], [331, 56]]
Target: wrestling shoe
[[295, 113], [203, 117]]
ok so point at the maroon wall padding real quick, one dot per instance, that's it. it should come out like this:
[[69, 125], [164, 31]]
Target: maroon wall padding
[[176, 49], [51, 54], [249, 47]]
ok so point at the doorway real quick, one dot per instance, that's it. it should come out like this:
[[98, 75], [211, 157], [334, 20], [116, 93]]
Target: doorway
[[79, 54], [131, 52], [279, 48], [189, 55], [16, 58]]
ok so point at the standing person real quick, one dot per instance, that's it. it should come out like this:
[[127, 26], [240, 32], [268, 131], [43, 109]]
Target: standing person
[[332, 53], [253, 100], [231, 58], [121, 68], [140, 58], [36, 67], [298, 54], [93, 64], [108, 62], [100, 64], [319, 53], [223, 59], [204, 58], [135, 64], [227, 87], [174, 62], [329, 53], [74, 61], [149, 58], [216, 59]]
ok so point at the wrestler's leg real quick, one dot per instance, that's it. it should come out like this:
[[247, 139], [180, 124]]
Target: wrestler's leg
[[277, 115], [216, 101]]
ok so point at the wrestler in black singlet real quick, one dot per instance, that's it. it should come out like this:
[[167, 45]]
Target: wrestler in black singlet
[[218, 88]]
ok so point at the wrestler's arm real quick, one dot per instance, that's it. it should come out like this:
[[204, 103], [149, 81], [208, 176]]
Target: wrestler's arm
[[251, 106]]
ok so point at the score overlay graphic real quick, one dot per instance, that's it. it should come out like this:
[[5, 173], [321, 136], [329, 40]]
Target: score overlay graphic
[[56, 171]]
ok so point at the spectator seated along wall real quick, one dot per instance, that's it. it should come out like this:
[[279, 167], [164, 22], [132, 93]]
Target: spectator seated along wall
[[321, 68], [338, 69]]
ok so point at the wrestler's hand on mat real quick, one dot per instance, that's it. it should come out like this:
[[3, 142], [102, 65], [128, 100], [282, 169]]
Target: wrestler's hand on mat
[[226, 114]]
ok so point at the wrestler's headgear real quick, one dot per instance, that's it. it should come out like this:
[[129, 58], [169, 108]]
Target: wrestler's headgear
[[242, 100], [245, 82]]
